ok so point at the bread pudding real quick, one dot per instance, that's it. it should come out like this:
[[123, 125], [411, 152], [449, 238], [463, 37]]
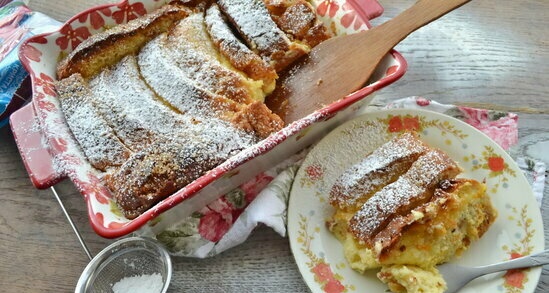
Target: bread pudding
[[158, 102], [403, 209], [403, 278]]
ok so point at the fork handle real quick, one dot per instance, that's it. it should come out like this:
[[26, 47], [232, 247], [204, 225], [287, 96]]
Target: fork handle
[[532, 260]]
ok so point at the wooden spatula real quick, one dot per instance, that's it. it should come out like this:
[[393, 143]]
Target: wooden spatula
[[341, 65]]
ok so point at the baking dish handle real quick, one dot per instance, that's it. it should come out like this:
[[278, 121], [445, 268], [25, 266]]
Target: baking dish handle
[[371, 8], [30, 141]]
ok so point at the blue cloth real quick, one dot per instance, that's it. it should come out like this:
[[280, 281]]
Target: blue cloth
[[17, 23]]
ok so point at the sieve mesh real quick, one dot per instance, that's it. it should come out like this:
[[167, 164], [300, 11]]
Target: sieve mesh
[[129, 258]]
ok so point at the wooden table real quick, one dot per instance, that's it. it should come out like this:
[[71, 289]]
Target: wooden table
[[489, 53]]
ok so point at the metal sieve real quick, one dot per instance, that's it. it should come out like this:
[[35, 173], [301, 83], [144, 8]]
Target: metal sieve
[[135, 258], [131, 257]]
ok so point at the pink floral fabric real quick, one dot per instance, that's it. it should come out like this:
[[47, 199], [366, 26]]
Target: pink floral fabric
[[502, 127], [219, 216]]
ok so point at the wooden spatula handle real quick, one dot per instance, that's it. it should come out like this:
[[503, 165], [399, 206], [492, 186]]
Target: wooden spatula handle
[[418, 15]]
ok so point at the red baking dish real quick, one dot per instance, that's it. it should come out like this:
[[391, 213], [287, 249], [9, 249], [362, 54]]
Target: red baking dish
[[50, 153]]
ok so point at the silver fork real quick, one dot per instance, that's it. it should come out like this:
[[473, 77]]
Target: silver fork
[[458, 276]]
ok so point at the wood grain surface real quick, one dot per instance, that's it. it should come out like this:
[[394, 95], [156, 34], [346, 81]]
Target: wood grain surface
[[489, 53]]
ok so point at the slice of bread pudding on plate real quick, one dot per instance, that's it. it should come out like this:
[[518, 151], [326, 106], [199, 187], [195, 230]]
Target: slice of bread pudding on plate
[[403, 209]]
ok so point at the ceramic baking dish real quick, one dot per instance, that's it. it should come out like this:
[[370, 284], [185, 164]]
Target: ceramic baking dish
[[50, 153]]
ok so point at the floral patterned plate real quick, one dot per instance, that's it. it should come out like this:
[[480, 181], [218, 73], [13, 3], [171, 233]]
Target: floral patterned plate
[[517, 231]]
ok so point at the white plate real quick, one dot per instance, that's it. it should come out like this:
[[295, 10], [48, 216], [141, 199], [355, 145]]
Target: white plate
[[518, 229]]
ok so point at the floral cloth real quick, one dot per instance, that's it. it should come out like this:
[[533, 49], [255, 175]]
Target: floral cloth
[[229, 220]]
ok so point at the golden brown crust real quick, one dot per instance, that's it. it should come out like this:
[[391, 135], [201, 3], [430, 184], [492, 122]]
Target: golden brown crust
[[447, 225], [253, 20], [180, 91], [105, 49], [155, 173], [188, 97], [412, 189], [128, 105], [298, 19], [424, 218], [390, 235], [258, 119], [383, 166], [316, 34], [240, 56], [190, 48]]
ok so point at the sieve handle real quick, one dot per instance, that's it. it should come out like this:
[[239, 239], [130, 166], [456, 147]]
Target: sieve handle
[[78, 235]]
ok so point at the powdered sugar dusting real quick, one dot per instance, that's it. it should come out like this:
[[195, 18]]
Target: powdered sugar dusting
[[239, 54], [152, 283], [100, 145], [72, 161], [411, 189], [176, 148], [140, 109], [378, 169], [254, 22], [179, 91], [95, 136], [192, 50], [130, 107]]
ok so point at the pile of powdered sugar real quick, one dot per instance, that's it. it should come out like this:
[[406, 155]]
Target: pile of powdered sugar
[[142, 283]]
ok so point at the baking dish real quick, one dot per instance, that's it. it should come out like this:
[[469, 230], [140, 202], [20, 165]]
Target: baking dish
[[50, 153]]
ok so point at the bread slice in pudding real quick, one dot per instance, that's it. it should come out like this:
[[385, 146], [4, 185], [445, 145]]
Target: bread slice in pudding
[[236, 52], [383, 166], [108, 47], [95, 136], [254, 23]]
